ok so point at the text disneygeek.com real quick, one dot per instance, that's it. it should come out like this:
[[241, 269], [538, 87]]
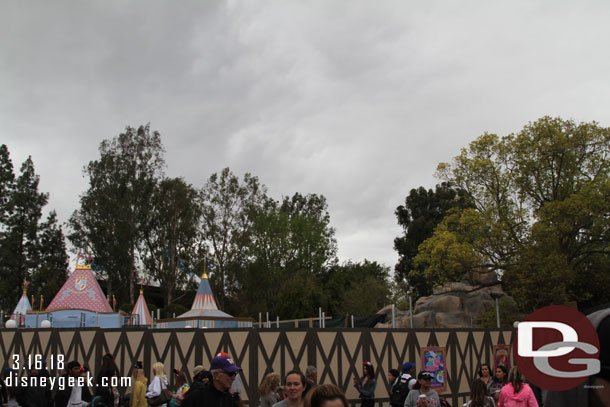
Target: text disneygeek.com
[[61, 382]]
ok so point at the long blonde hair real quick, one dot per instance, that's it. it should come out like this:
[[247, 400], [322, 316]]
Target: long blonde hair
[[137, 376], [270, 383], [158, 370]]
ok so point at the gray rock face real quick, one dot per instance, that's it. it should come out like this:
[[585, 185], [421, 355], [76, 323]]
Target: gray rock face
[[453, 305]]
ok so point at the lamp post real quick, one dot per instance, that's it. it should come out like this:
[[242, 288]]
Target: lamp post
[[497, 296]]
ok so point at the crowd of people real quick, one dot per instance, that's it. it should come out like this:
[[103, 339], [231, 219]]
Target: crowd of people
[[220, 387]]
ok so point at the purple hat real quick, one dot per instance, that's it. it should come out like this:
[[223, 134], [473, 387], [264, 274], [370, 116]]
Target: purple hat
[[224, 363]]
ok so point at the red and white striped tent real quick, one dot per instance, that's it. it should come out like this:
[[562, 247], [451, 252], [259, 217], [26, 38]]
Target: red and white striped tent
[[81, 291], [204, 304], [140, 314]]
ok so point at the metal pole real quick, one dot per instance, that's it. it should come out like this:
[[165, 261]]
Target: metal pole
[[323, 320], [393, 316], [268, 323], [320, 317], [497, 313], [352, 320], [277, 319], [410, 310], [260, 319]]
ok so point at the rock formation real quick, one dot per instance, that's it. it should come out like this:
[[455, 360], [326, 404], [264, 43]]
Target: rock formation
[[453, 305]]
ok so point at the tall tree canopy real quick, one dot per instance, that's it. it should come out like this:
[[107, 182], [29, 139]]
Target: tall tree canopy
[[29, 249], [172, 239], [289, 246], [227, 205], [114, 212], [540, 217], [356, 288], [419, 216]]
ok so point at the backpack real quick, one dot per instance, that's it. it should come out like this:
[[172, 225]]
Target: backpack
[[400, 392]]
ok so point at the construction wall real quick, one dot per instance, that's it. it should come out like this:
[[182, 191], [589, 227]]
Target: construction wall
[[337, 353]]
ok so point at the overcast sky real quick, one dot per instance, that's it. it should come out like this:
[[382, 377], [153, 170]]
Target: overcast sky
[[358, 101]]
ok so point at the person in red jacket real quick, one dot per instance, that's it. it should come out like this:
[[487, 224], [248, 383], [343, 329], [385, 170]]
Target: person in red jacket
[[517, 393]]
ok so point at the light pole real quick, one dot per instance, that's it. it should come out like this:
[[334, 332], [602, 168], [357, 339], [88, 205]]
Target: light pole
[[497, 296]]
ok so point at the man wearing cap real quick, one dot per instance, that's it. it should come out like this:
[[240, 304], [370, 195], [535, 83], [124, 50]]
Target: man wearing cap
[[423, 395], [408, 373], [403, 385], [217, 393], [200, 378]]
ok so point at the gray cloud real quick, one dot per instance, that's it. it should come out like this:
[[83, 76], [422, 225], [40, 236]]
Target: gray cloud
[[356, 101]]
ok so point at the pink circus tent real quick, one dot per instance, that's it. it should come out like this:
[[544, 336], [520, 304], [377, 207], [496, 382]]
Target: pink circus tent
[[80, 291], [140, 314]]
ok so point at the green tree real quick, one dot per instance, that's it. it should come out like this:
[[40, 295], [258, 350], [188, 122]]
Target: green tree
[[285, 239], [52, 269], [20, 239], [450, 253], [28, 249], [171, 235], [357, 288], [300, 296], [7, 183], [227, 206], [422, 212], [568, 256], [115, 209], [541, 212]]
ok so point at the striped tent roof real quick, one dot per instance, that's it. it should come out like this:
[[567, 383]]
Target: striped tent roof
[[140, 314], [80, 291], [204, 304]]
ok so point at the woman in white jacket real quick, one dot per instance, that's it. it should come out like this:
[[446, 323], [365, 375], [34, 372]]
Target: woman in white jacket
[[158, 383]]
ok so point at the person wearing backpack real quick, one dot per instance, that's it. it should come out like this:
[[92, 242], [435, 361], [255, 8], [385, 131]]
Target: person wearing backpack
[[402, 385]]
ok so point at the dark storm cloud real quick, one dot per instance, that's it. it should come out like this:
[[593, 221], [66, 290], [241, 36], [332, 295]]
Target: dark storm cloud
[[356, 101]]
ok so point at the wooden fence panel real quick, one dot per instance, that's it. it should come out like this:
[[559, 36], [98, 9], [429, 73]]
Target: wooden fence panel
[[337, 353]]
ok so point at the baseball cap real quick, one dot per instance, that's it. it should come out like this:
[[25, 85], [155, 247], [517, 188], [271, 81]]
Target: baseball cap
[[197, 369], [224, 363], [138, 365], [423, 375], [408, 366]]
